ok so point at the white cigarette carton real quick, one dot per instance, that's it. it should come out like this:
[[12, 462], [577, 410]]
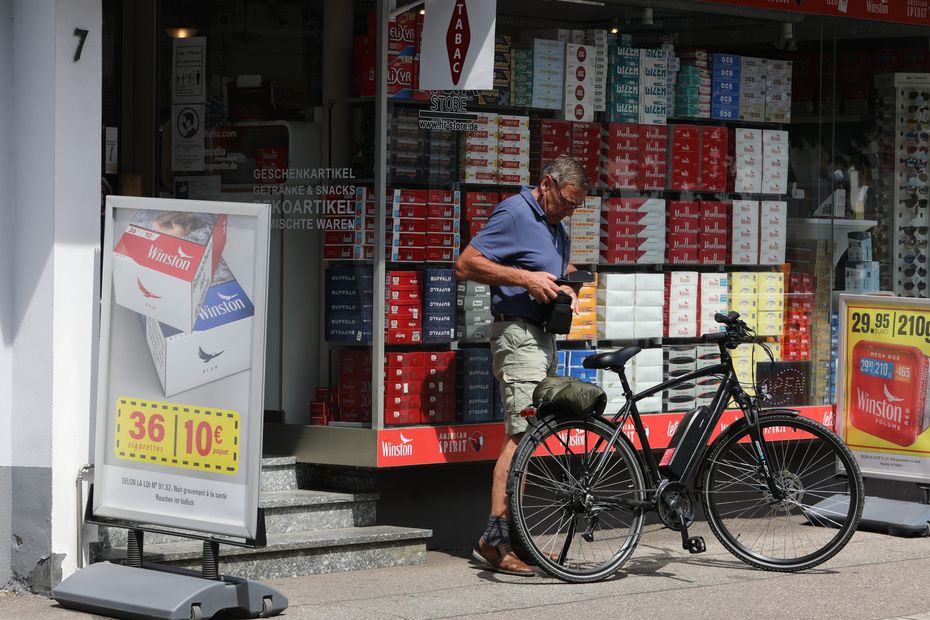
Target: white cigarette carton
[[219, 345], [649, 357], [613, 314], [615, 298], [164, 262], [647, 329], [617, 330]]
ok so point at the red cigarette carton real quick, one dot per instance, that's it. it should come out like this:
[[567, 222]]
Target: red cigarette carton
[[888, 391], [163, 264]]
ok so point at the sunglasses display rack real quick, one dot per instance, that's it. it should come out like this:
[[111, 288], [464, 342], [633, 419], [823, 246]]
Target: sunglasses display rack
[[904, 119]]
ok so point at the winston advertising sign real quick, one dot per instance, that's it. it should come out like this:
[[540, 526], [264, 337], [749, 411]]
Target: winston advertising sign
[[882, 406], [901, 11], [182, 356]]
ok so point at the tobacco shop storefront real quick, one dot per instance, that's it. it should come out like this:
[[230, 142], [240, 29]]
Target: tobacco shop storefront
[[774, 158]]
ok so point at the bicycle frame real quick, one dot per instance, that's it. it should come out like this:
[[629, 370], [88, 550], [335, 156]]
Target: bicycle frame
[[591, 480], [728, 388]]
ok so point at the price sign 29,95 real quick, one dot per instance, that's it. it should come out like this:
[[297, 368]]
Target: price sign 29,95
[[174, 435]]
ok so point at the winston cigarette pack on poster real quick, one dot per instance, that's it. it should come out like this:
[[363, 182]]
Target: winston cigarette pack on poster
[[164, 262], [218, 346], [888, 391]]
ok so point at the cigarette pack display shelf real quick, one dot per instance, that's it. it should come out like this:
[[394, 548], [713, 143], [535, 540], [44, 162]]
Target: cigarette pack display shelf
[[424, 445], [904, 124], [335, 443], [826, 228], [472, 106], [696, 120], [663, 267]]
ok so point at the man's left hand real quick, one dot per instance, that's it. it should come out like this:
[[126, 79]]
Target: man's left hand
[[573, 294]]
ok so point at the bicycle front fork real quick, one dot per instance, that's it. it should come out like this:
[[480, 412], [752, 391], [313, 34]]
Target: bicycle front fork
[[759, 446]]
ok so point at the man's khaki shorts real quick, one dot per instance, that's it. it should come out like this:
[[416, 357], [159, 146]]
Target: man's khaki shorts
[[523, 355]]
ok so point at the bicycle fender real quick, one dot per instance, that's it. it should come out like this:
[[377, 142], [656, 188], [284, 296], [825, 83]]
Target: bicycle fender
[[783, 410]]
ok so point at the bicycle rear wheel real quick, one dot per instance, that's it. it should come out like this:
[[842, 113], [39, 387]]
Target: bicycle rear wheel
[[789, 534], [579, 525]]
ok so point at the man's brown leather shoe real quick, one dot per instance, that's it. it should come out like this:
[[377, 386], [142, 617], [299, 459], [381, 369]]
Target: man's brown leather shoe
[[506, 563], [523, 554]]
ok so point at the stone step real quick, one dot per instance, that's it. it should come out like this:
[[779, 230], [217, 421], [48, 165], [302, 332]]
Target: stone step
[[295, 511], [300, 553], [279, 473], [285, 511]]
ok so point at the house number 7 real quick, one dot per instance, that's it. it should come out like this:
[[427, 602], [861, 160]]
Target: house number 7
[[81, 34]]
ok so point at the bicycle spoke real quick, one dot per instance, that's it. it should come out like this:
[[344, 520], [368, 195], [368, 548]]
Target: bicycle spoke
[[560, 510], [797, 530]]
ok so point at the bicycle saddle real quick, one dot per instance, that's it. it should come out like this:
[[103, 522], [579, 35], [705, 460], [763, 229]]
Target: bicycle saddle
[[612, 359]]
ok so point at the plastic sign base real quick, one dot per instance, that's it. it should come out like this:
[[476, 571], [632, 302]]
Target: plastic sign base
[[887, 516], [164, 592]]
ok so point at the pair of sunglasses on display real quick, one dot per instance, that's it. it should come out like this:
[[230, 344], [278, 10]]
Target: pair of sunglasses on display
[[913, 136], [918, 258], [919, 161]]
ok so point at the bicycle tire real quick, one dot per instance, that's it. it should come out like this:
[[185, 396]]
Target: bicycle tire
[[788, 535], [554, 503]]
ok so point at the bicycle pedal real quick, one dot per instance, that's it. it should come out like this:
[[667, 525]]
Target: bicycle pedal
[[695, 544]]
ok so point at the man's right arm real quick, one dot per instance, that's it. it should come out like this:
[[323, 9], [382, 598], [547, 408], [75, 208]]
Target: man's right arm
[[473, 265]]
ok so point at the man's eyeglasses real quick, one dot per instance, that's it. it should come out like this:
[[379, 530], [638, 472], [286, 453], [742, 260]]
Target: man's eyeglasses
[[562, 200]]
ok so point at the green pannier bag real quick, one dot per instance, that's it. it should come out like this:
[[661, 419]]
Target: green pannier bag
[[571, 395]]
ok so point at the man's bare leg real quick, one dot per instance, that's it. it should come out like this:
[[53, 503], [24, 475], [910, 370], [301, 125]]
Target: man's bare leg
[[499, 507]]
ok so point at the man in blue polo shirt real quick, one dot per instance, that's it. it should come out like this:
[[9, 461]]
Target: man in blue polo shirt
[[520, 252]]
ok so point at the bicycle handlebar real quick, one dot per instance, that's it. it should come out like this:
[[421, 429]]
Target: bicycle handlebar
[[737, 332]]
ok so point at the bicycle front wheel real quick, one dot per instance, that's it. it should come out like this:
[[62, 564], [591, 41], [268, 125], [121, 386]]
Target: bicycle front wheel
[[821, 487], [576, 498]]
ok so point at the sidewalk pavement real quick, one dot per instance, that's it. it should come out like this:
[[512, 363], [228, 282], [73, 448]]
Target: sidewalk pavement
[[875, 577]]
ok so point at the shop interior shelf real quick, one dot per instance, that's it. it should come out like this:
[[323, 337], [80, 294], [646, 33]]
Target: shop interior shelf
[[827, 228], [827, 119]]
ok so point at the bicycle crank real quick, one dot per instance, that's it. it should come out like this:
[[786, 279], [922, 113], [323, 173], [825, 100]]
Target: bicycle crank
[[674, 505]]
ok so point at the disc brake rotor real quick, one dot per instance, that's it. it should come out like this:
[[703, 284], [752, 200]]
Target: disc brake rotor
[[791, 486]]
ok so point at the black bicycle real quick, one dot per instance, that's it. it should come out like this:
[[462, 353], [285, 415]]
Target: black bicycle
[[780, 491]]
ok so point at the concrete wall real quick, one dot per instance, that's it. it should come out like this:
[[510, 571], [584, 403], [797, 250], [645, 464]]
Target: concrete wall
[[32, 202], [78, 119], [6, 285], [50, 170]]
